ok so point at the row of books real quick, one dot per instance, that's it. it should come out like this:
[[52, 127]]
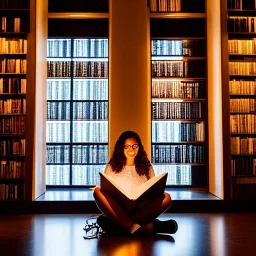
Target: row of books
[[241, 4], [90, 110], [82, 131], [13, 106], [242, 105], [243, 166], [58, 154], [80, 110], [177, 110], [13, 85], [15, 147], [13, 45], [80, 69], [242, 87], [168, 68], [18, 66], [244, 190], [177, 89], [10, 24], [242, 24], [165, 5], [86, 175], [177, 47], [89, 174], [242, 68], [246, 46], [58, 110], [177, 174], [178, 154], [11, 192], [90, 154], [88, 48], [81, 174], [14, 4], [81, 154], [177, 132], [14, 125], [243, 146], [243, 123], [12, 169], [89, 89]]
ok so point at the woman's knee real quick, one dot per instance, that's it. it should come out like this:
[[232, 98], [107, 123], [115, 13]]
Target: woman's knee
[[167, 200], [96, 193]]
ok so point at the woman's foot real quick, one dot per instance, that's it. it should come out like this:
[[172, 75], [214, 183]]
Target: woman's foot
[[168, 226]]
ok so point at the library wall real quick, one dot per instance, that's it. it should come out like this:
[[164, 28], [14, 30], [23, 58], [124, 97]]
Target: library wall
[[129, 71]]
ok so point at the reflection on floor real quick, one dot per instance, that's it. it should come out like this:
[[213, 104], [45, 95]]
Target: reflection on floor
[[216, 234], [85, 194]]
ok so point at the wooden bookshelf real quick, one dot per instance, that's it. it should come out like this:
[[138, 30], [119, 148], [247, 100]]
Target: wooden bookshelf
[[14, 21], [81, 30], [239, 90], [178, 92], [17, 98]]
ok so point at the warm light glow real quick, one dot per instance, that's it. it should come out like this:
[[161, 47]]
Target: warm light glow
[[167, 57], [167, 100]]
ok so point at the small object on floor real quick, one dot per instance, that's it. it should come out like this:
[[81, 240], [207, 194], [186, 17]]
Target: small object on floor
[[92, 229], [168, 226]]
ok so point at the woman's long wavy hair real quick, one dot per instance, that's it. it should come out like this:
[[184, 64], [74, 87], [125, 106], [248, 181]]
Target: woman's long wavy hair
[[118, 159]]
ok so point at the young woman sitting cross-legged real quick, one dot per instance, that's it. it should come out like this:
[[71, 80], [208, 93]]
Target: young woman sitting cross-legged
[[129, 167]]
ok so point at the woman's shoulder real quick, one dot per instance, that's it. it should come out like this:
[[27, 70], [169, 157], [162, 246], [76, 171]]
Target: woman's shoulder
[[108, 169]]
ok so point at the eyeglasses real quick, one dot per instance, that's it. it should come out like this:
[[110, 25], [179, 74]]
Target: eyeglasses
[[134, 146]]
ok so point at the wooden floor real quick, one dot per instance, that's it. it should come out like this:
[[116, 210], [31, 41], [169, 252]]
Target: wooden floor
[[198, 235]]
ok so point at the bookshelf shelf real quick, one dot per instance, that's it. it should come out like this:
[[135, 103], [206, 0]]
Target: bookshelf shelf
[[176, 100], [76, 144], [177, 57], [178, 92], [244, 134], [14, 10], [181, 164], [178, 143], [243, 113], [177, 15], [177, 78], [234, 96], [178, 120], [13, 34], [12, 114], [243, 177]]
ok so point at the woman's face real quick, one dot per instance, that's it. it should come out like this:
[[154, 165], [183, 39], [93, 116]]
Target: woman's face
[[131, 148]]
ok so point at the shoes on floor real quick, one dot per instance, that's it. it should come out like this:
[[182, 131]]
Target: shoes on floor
[[168, 226], [109, 227]]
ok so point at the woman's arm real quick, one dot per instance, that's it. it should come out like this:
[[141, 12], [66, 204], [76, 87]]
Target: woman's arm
[[151, 172]]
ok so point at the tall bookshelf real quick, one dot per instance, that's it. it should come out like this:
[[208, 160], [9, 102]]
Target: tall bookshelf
[[14, 20], [179, 88], [241, 30], [77, 92], [77, 110]]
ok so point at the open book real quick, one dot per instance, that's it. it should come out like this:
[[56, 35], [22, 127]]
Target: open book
[[146, 191]]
